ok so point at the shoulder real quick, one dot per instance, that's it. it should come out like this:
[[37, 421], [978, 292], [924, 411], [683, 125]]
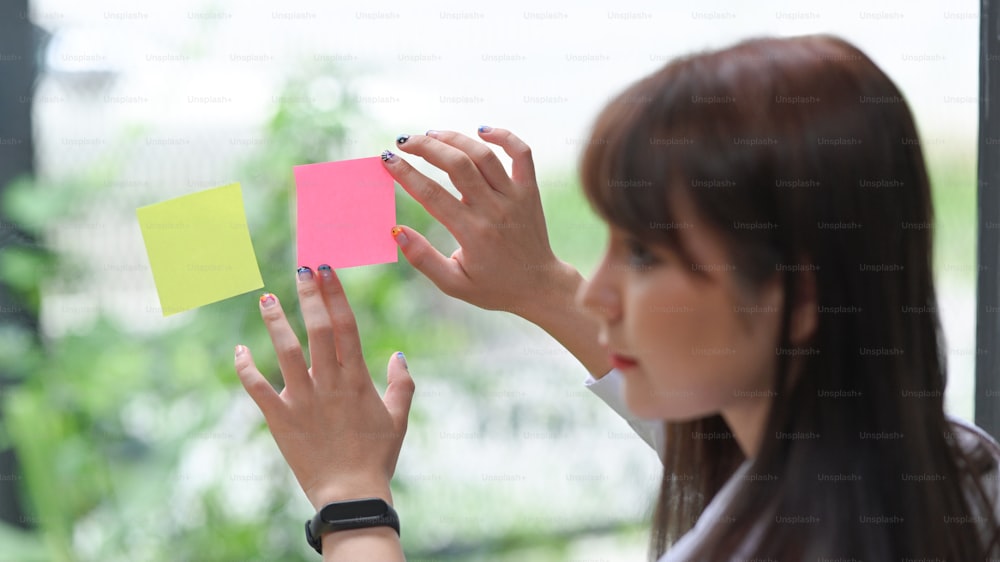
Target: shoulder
[[982, 455], [715, 512], [972, 438]]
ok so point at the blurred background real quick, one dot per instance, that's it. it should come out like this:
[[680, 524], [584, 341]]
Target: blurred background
[[126, 435]]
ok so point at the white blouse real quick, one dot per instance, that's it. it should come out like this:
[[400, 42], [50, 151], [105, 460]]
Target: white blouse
[[609, 389]]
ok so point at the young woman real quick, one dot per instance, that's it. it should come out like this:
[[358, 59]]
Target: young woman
[[766, 292]]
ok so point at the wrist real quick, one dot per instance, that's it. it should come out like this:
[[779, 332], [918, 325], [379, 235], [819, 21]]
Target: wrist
[[343, 492], [370, 543], [554, 309], [555, 294], [348, 529]]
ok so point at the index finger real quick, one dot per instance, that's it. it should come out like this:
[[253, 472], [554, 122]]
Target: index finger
[[523, 165], [481, 155], [439, 203]]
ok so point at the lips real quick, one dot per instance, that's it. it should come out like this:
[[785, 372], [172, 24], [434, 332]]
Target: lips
[[618, 361], [622, 362]]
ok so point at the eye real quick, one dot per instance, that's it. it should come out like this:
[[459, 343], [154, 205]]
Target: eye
[[639, 253]]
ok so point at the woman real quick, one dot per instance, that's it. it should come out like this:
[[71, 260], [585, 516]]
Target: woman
[[757, 295]]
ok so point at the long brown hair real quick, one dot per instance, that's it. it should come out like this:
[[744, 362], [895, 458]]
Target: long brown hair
[[803, 154]]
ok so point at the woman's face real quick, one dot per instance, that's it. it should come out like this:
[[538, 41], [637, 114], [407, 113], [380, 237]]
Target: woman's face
[[687, 345]]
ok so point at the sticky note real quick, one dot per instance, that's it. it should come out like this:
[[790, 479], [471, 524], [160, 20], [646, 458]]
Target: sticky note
[[199, 248], [346, 211]]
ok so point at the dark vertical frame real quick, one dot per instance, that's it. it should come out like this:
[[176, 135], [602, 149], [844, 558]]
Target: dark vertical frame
[[18, 71], [988, 285]]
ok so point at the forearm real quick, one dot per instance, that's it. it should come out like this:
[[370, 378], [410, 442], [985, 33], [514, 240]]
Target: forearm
[[370, 544], [555, 311]]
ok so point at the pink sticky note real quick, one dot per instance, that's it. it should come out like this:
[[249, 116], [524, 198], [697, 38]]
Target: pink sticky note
[[346, 211]]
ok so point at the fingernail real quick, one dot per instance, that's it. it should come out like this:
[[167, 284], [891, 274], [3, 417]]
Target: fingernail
[[388, 156], [240, 350], [485, 128], [431, 133], [401, 139], [267, 300], [401, 357], [399, 236], [305, 273], [325, 271]]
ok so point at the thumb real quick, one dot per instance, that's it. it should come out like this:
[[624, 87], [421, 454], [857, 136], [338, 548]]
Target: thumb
[[399, 392], [444, 272]]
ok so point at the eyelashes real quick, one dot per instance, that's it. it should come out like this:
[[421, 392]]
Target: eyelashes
[[639, 253]]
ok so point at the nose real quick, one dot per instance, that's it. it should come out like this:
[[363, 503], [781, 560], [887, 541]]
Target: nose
[[600, 294]]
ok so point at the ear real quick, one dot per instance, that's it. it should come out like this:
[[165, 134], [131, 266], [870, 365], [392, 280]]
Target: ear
[[805, 316]]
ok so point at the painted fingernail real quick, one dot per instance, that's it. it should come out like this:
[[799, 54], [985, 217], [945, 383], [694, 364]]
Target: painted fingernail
[[305, 273], [485, 128], [325, 271], [401, 357], [388, 156], [431, 133], [240, 350], [399, 236], [401, 139], [267, 300]]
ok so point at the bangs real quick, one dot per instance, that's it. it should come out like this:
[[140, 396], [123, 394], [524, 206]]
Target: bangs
[[626, 182], [641, 160], [690, 142]]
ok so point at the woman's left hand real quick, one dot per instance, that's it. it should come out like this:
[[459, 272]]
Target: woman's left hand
[[338, 436]]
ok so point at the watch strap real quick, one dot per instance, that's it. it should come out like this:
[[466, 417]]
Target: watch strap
[[347, 519]]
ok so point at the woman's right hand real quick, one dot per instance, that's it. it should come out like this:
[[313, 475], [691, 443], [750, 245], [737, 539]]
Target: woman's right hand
[[504, 261]]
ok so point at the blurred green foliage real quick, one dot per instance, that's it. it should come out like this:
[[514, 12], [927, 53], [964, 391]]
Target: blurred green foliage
[[77, 416], [128, 439], [125, 437], [953, 180]]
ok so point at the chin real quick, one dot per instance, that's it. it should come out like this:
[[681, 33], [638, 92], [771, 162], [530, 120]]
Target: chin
[[644, 411], [640, 402]]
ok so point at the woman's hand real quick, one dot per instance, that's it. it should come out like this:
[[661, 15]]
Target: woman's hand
[[505, 261], [339, 438]]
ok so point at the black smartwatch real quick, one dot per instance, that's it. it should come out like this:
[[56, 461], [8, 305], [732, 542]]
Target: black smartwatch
[[353, 514]]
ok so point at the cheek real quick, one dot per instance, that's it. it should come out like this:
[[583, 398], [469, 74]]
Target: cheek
[[694, 355], [677, 341], [685, 337]]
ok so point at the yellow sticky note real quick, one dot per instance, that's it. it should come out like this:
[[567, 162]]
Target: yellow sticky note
[[199, 248]]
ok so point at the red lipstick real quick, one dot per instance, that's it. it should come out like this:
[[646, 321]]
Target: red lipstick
[[621, 362]]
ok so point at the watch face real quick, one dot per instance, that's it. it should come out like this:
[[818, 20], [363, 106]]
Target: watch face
[[353, 510]]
